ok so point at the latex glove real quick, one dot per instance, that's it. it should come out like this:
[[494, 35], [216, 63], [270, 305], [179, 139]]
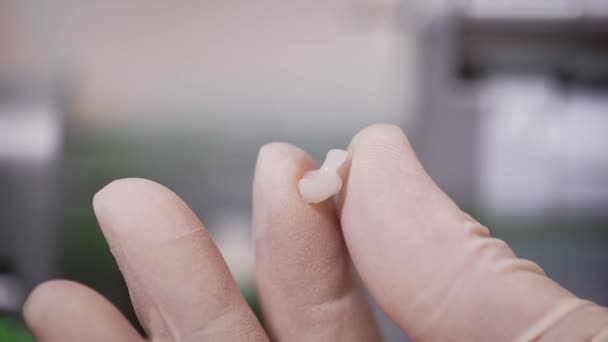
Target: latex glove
[[432, 268]]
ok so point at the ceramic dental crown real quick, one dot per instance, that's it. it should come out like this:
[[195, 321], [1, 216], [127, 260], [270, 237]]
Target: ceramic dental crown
[[318, 185]]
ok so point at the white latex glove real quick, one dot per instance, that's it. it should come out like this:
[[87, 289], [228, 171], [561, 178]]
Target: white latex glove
[[431, 267]]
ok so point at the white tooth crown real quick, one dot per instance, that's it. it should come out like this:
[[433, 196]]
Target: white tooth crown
[[318, 185]]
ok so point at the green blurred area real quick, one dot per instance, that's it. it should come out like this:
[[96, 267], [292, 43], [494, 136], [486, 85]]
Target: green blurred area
[[13, 331]]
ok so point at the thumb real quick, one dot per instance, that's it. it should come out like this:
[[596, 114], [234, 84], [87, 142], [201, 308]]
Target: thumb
[[436, 271]]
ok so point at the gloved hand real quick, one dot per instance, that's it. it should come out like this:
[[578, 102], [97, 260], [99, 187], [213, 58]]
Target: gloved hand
[[431, 267]]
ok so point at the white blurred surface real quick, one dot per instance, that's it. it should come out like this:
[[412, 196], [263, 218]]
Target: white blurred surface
[[240, 66], [29, 133], [543, 149]]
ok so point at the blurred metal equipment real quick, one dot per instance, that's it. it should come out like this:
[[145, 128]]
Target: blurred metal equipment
[[516, 89], [513, 117], [31, 148]]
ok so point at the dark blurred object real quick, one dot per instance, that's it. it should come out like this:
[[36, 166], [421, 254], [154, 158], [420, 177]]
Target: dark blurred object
[[571, 48], [31, 144]]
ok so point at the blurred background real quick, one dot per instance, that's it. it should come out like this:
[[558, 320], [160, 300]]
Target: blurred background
[[506, 103]]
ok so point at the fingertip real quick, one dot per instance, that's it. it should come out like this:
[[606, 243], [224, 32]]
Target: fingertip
[[382, 161], [138, 205], [274, 159], [124, 190], [381, 154], [63, 310], [276, 149], [381, 135], [279, 168], [45, 298], [40, 300]]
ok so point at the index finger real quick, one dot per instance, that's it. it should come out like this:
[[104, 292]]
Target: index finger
[[307, 286]]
